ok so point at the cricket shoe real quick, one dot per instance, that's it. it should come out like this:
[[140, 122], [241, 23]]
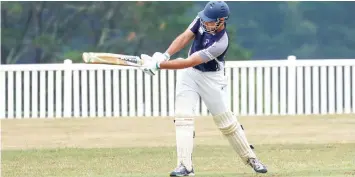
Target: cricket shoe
[[257, 165], [182, 171]]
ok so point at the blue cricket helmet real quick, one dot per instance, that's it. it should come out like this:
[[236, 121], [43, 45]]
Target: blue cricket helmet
[[214, 10]]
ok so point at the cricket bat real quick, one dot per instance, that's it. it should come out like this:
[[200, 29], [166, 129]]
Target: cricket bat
[[112, 59]]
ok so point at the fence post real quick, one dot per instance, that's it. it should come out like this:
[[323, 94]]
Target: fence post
[[67, 89], [2, 92], [291, 86]]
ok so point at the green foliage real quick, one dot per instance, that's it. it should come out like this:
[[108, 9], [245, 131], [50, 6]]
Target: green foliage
[[235, 51], [49, 31], [74, 55], [13, 8], [305, 29], [53, 31]]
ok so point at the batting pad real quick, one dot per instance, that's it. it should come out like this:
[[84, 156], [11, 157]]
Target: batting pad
[[231, 129], [184, 141]]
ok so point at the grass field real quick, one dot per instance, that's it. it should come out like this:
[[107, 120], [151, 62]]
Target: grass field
[[302, 146]]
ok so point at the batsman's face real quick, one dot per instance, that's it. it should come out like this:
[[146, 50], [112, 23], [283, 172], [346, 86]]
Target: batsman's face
[[213, 25], [210, 26]]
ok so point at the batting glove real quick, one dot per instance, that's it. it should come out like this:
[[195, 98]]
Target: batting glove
[[157, 57], [161, 56], [150, 65]]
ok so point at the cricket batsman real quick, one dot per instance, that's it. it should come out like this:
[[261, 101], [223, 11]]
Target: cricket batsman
[[201, 74]]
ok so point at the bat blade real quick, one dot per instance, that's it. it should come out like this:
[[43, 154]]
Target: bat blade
[[112, 59]]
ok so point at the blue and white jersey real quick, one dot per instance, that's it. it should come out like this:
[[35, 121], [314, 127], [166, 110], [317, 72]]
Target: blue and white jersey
[[211, 47]]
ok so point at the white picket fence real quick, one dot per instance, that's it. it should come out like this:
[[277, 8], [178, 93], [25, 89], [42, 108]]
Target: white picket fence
[[278, 87]]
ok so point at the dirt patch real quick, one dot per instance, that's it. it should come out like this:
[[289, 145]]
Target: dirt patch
[[150, 132]]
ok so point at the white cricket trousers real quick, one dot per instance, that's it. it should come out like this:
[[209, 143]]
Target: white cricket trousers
[[210, 86]]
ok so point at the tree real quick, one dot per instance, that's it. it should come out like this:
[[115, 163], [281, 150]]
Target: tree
[[52, 31]]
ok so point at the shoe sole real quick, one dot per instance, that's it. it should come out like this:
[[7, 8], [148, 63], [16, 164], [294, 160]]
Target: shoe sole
[[190, 174], [262, 171]]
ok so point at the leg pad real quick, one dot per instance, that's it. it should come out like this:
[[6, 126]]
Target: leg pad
[[233, 131]]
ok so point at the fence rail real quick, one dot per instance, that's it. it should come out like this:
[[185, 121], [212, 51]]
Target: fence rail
[[277, 87]]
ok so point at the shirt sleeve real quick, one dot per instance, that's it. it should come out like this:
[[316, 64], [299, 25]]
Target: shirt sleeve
[[195, 25], [215, 50]]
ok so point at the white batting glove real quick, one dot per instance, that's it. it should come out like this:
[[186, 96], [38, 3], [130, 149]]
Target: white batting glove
[[150, 65], [161, 56]]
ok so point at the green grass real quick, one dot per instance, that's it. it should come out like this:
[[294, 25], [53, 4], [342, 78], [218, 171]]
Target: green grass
[[303, 147], [282, 160]]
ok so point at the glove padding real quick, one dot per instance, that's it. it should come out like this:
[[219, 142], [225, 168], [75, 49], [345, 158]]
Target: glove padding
[[150, 64], [161, 56]]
